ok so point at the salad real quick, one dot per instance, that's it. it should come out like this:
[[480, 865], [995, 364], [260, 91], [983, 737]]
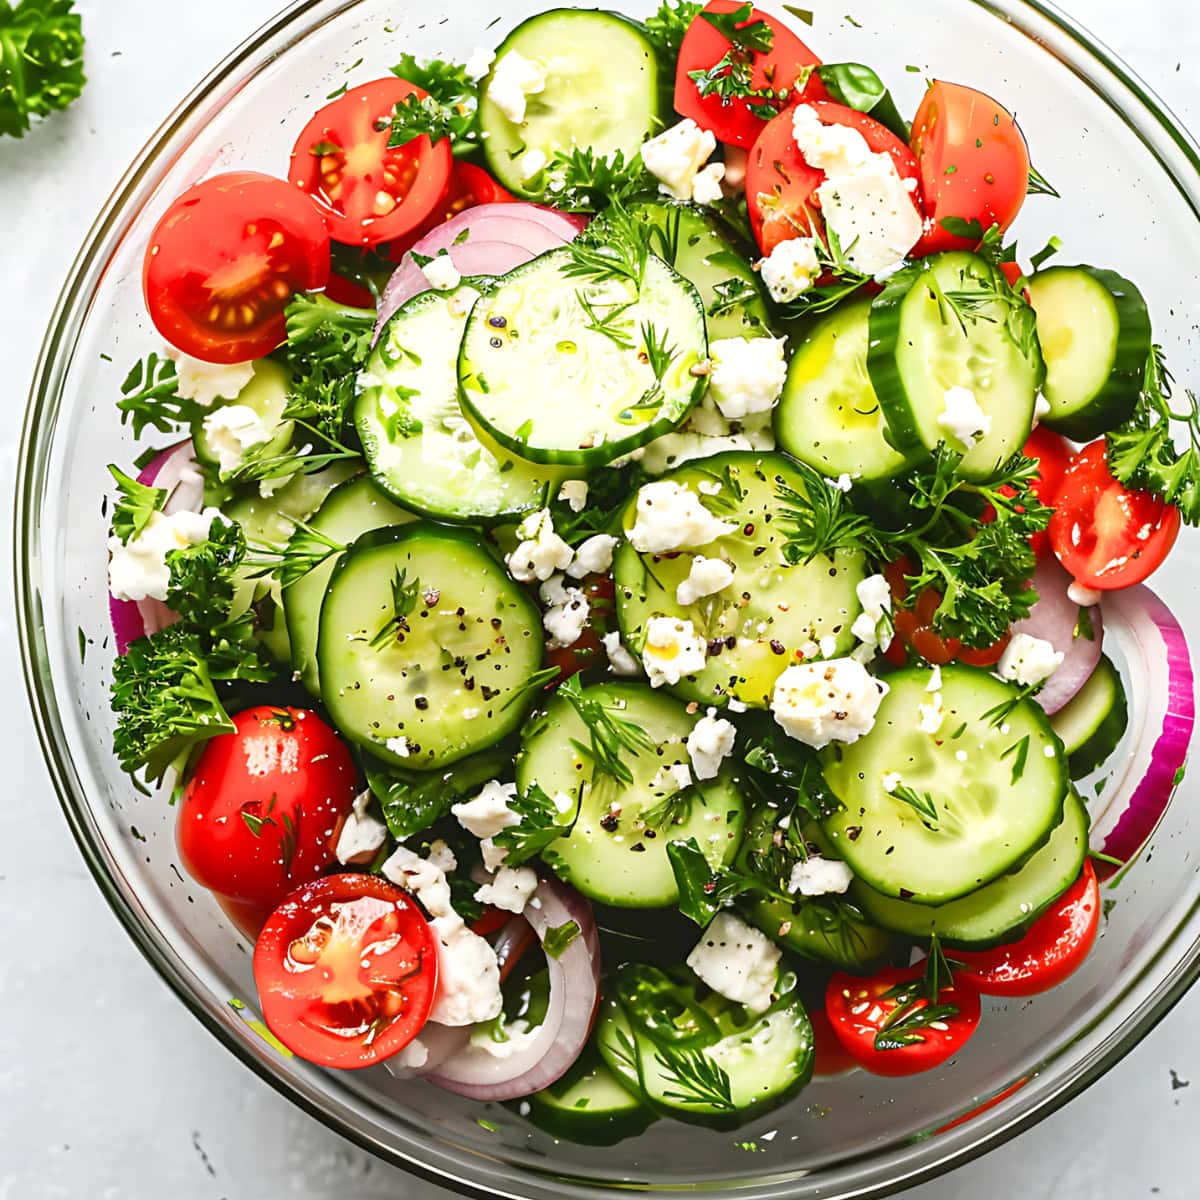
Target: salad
[[641, 598]]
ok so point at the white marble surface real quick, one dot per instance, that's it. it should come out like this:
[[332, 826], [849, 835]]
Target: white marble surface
[[108, 1088]]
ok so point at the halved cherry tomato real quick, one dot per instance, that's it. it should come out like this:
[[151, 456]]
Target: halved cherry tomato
[[262, 808], [1105, 535], [1053, 948], [346, 970], [346, 291], [974, 164], [780, 184], [829, 1055], [858, 1009], [225, 260], [734, 121], [1052, 454], [587, 650], [468, 187], [370, 192]]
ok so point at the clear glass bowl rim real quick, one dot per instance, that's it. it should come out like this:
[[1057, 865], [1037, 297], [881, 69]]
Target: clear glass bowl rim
[[1160, 133]]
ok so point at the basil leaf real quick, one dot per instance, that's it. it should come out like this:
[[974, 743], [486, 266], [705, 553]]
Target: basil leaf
[[858, 87]]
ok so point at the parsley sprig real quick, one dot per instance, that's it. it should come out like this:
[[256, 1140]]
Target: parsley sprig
[[449, 110], [150, 398], [541, 824], [136, 504], [731, 77], [580, 180], [666, 27], [41, 61]]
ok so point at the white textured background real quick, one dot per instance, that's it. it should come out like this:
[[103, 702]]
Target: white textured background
[[108, 1088]]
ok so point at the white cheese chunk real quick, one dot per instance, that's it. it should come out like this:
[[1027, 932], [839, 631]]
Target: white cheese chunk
[[673, 649], [709, 744], [362, 833], [593, 557], [510, 889], [790, 269], [574, 493], [514, 79], [676, 155], [531, 162], [479, 63], [540, 551], [962, 418], [621, 661], [706, 577], [1085, 597], [737, 962], [1028, 660], [706, 187], [670, 517], [139, 570], [488, 813], [231, 431], [668, 780], [206, 382], [747, 376], [822, 702], [567, 614], [817, 876], [440, 272]]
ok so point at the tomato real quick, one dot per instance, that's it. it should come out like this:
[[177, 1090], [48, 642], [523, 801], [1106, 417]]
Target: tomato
[[1053, 948], [468, 187], [587, 650], [370, 192], [346, 291], [224, 262], [1105, 535], [704, 46], [974, 164], [780, 184], [858, 1008], [1052, 453], [829, 1056], [346, 970], [263, 806]]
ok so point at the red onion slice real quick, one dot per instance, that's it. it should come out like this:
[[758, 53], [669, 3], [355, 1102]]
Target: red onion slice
[[558, 1041], [1162, 712], [1055, 619], [498, 238], [176, 470]]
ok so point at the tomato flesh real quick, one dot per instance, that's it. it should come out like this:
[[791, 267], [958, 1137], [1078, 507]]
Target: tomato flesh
[[369, 191], [974, 164], [346, 970], [262, 807], [780, 184], [1053, 948], [1105, 535], [734, 121], [226, 259], [858, 1008]]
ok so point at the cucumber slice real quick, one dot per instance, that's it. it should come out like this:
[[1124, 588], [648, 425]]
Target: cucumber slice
[[996, 782], [696, 245], [952, 321], [1001, 910], [267, 524], [1093, 723], [604, 90], [1095, 336], [597, 396], [766, 1059], [613, 854], [349, 511], [267, 395], [589, 1105], [420, 448], [450, 678], [773, 611], [829, 416]]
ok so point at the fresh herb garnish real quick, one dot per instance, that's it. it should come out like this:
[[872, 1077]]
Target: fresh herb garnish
[[150, 398], [540, 825], [41, 61], [136, 504], [922, 803], [413, 800], [1020, 756], [559, 937], [731, 77], [695, 1079], [580, 180], [305, 550], [818, 521], [449, 110], [666, 27], [405, 596], [610, 735], [1039, 185], [616, 245], [917, 1006]]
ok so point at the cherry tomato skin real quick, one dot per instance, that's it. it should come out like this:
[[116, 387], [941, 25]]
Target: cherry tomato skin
[[780, 184], [1106, 536], [974, 164], [735, 123], [468, 187], [856, 1010], [345, 291], [346, 970], [369, 191], [1053, 948], [261, 811], [226, 259], [829, 1055]]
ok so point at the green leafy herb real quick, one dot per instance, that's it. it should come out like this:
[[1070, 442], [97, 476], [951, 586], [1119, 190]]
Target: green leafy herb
[[305, 550], [731, 77], [831, 257], [559, 937], [202, 577], [540, 825], [413, 800], [136, 504], [1020, 755], [859, 87], [703, 892], [730, 294], [41, 61], [666, 27], [921, 803], [1039, 185], [818, 521], [449, 110], [673, 809], [608, 318], [804, 15], [150, 398], [616, 245], [405, 596], [695, 1079], [610, 735], [580, 180], [917, 1004]]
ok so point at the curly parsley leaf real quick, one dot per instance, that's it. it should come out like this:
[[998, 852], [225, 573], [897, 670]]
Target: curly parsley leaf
[[203, 576], [540, 825], [731, 77], [666, 27], [150, 398], [136, 504], [41, 61], [413, 800], [580, 180], [448, 111]]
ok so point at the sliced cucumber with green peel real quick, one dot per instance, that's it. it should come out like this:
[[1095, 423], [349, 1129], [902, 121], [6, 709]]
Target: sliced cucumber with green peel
[[616, 851], [665, 1035], [696, 245], [267, 396], [426, 646], [1095, 336], [829, 416], [589, 1105], [563, 369], [1092, 724], [350, 510], [983, 792], [420, 447], [605, 90], [773, 612], [951, 321], [1000, 911]]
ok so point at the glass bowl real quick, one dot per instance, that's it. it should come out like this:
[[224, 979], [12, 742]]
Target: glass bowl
[[1131, 185]]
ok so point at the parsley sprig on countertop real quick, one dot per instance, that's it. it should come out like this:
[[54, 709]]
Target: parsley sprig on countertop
[[41, 61]]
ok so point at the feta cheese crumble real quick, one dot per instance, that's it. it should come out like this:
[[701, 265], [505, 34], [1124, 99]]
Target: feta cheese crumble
[[737, 962], [362, 833], [621, 661], [673, 649], [232, 431], [540, 551], [574, 493], [748, 375], [873, 626], [822, 702], [510, 889], [440, 272], [138, 570], [671, 779], [478, 63], [593, 557], [706, 187], [706, 577], [1028, 660], [531, 162], [817, 876], [790, 269], [670, 517], [567, 613], [206, 382], [931, 716], [487, 814], [1085, 597], [709, 744], [514, 79], [962, 418], [675, 157]]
